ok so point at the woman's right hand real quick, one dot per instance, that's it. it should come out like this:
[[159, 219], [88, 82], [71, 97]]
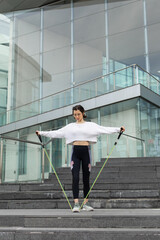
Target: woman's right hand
[[37, 132]]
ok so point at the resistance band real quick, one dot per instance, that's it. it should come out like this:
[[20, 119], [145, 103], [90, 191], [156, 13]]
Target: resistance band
[[95, 178], [54, 171], [101, 168]]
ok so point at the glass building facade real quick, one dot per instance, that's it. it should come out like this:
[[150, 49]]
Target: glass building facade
[[47, 57]]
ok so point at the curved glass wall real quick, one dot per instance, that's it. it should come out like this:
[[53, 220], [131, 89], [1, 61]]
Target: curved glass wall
[[58, 46]]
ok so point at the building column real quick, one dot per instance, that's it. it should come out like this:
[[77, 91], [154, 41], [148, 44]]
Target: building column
[[146, 37], [41, 60], [72, 51]]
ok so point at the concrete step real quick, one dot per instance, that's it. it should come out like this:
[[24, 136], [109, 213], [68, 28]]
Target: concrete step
[[117, 224], [128, 161], [118, 186], [107, 194], [128, 203], [113, 169], [108, 175], [102, 179], [78, 234], [99, 218]]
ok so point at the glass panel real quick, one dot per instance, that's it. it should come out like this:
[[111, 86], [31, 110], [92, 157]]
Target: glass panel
[[56, 83], [57, 37], [85, 74], [57, 148], [20, 165], [89, 60], [154, 85], [26, 57], [154, 64], [149, 81], [56, 15], [57, 61], [153, 38], [85, 30], [29, 44], [116, 4], [27, 22], [152, 8], [143, 78], [127, 47], [102, 85], [27, 74], [125, 17], [3, 98], [84, 8], [117, 115], [150, 127]]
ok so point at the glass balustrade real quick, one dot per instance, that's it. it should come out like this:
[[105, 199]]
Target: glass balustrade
[[20, 161], [107, 83], [24, 161]]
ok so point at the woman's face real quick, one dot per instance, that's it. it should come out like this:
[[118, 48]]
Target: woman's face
[[78, 115]]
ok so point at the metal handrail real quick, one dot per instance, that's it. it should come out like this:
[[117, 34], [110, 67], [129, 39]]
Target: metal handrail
[[134, 137], [20, 140], [140, 139]]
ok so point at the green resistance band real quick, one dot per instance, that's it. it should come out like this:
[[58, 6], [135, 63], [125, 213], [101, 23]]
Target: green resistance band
[[101, 169], [95, 178], [54, 171], [57, 178]]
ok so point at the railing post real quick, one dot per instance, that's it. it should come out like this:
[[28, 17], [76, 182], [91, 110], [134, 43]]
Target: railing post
[[114, 81], [158, 89], [1, 161], [128, 155], [43, 165], [96, 88], [66, 154], [144, 149], [136, 78], [107, 146]]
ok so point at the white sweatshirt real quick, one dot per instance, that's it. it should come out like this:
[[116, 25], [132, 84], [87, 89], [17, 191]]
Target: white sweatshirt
[[87, 131]]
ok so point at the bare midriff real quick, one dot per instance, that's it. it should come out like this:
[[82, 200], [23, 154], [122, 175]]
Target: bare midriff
[[81, 143]]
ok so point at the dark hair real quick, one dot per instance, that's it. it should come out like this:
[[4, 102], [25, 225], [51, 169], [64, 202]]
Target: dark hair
[[80, 108]]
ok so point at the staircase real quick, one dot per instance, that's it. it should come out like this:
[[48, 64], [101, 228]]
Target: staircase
[[126, 199], [123, 183]]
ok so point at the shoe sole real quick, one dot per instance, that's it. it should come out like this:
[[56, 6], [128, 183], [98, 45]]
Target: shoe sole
[[88, 210], [76, 211]]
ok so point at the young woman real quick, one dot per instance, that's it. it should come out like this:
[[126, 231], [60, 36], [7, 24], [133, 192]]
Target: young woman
[[80, 134]]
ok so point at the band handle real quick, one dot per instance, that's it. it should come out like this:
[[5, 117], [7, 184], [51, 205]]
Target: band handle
[[121, 132], [40, 139]]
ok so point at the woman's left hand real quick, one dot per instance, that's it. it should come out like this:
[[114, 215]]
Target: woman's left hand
[[122, 128]]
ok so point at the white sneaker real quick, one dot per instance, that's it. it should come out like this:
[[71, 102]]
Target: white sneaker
[[76, 208], [88, 208]]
